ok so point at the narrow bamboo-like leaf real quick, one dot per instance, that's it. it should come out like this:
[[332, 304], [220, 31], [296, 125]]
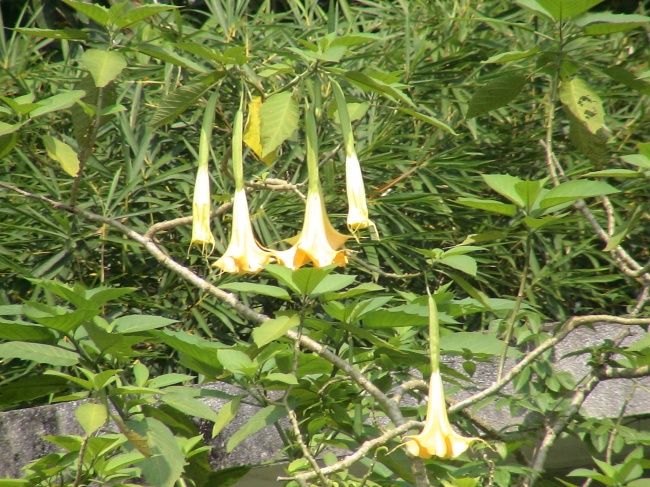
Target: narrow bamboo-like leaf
[[496, 94], [260, 420], [608, 23], [63, 154], [138, 14], [575, 190], [37, 352], [369, 83], [584, 103], [627, 78], [170, 57], [273, 329], [489, 205], [31, 387], [91, 417], [426, 118], [279, 116], [136, 323], [53, 33], [506, 57], [104, 66]]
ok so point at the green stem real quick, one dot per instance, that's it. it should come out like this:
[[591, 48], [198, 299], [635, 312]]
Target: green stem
[[312, 151], [237, 144]]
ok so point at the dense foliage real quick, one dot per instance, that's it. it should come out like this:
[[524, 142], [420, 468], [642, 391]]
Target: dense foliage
[[502, 150]]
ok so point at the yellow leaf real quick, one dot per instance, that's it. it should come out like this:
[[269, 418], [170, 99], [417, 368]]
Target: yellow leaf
[[253, 131]]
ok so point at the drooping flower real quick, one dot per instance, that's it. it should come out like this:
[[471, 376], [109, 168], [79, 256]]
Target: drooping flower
[[357, 205], [437, 438], [243, 255], [201, 233], [318, 242]]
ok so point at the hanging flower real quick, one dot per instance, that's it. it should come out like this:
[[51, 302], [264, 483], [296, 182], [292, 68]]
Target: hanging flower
[[243, 255], [318, 242], [201, 233], [438, 437]]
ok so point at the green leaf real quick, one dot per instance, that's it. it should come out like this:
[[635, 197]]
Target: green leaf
[[575, 190], [165, 467], [608, 23], [53, 33], [25, 332], [27, 388], [65, 322], [93, 11], [226, 414], [566, 9], [236, 362], [583, 103], [104, 66], [541, 222], [284, 378], [368, 83], [463, 263], [169, 56], [275, 328], [98, 296], [506, 57], [180, 100], [187, 404], [57, 102], [489, 205], [628, 79], [63, 154], [638, 160], [332, 283], [283, 275], [426, 118], [497, 93], [136, 323], [506, 186], [228, 477], [255, 288], [594, 146], [279, 116], [91, 417], [476, 342], [259, 421], [139, 13], [169, 379], [307, 278], [40, 353]]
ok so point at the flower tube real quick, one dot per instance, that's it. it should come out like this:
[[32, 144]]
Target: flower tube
[[201, 232], [243, 255], [438, 437], [318, 242]]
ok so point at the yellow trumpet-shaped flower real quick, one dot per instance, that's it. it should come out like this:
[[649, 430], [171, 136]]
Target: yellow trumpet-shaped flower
[[437, 438], [358, 208], [201, 233], [243, 255], [318, 242]]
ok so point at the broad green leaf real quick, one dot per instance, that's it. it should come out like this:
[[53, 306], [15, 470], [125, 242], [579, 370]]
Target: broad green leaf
[[332, 283], [189, 405], [275, 328], [363, 334], [543, 221], [638, 160], [63, 154], [506, 57], [529, 191], [283, 275], [169, 379], [253, 131], [255, 288], [575, 190], [65, 322], [91, 417], [594, 146], [566, 9], [489, 205], [425, 118], [228, 477], [136, 323], [25, 332], [284, 378], [366, 287], [307, 278], [53, 33], [31, 387], [476, 342], [263, 418], [535, 7], [608, 23], [98, 296], [7, 128], [236, 362], [138, 14], [37, 352], [279, 116], [93, 11], [225, 415], [583, 103], [463, 263], [627, 78], [104, 66], [506, 186], [165, 466], [57, 102], [496, 94]]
